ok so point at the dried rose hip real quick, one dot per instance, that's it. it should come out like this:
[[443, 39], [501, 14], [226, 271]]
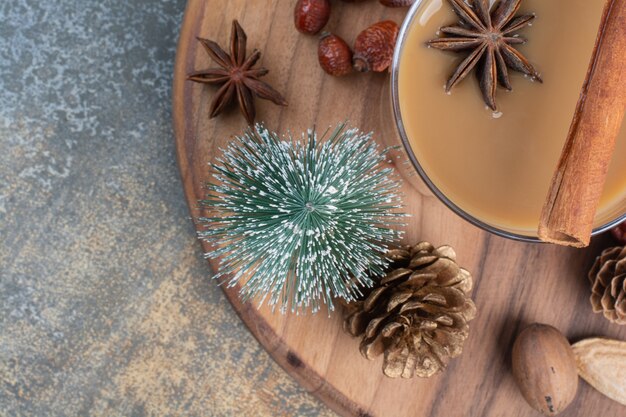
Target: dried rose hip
[[310, 16], [373, 48], [397, 3], [334, 55], [619, 232]]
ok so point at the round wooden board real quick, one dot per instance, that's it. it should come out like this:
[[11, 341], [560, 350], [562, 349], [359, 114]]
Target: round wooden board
[[515, 283]]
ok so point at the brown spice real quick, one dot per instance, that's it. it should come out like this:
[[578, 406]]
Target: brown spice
[[373, 48], [310, 16], [489, 37], [236, 76], [334, 55], [569, 211]]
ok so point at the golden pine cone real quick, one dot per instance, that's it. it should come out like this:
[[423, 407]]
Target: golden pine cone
[[608, 284], [418, 314]]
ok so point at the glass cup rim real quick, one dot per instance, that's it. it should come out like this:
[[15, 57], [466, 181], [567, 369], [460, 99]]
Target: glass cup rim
[[397, 115]]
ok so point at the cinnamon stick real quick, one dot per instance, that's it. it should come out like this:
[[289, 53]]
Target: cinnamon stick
[[568, 213]]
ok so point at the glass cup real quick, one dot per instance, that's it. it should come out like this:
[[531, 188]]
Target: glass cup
[[413, 165]]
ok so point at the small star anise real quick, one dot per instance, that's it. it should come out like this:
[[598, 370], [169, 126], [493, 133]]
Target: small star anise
[[489, 36], [236, 76]]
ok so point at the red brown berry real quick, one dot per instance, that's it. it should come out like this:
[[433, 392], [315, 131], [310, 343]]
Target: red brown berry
[[397, 3], [310, 16], [373, 48], [619, 233], [335, 55]]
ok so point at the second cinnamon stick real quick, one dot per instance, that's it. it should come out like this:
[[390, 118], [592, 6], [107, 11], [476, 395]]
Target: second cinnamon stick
[[568, 213]]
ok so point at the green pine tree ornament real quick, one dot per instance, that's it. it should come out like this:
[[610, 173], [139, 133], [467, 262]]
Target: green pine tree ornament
[[300, 222]]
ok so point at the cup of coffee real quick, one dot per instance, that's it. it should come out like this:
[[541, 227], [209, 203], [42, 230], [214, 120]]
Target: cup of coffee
[[494, 167]]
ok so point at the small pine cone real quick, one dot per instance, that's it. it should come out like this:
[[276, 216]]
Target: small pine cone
[[608, 284], [418, 314]]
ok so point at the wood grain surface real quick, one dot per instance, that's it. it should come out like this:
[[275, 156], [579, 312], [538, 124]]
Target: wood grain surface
[[515, 283]]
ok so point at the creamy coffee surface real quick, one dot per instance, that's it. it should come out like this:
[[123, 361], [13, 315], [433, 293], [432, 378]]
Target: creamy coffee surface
[[498, 166]]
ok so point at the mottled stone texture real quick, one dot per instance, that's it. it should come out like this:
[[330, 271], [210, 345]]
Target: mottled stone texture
[[107, 307]]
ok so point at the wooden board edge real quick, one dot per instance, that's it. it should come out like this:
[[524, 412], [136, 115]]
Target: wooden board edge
[[278, 349]]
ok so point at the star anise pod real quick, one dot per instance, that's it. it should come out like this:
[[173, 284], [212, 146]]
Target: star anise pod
[[236, 76], [489, 36]]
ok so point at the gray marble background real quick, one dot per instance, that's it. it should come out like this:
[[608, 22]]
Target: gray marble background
[[107, 307]]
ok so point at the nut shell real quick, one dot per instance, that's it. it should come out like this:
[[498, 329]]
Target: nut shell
[[545, 369], [373, 48], [602, 363], [334, 54], [310, 16]]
